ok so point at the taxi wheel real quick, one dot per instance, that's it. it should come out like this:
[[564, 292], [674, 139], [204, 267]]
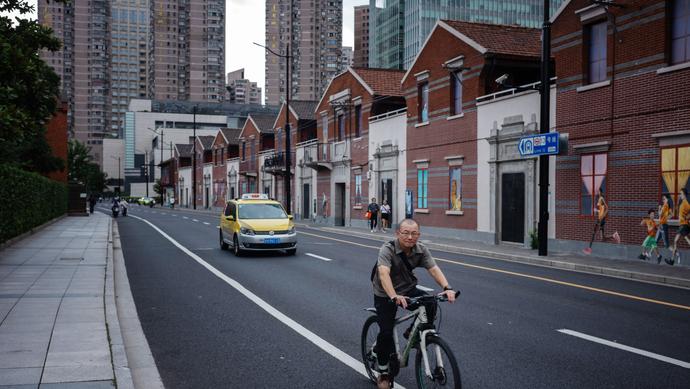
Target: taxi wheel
[[291, 251], [223, 245], [236, 247]]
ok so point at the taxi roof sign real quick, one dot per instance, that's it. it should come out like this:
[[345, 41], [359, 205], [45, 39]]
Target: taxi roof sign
[[255, 196]]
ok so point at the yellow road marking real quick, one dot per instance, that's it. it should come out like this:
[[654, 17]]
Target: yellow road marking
[[525, 275]]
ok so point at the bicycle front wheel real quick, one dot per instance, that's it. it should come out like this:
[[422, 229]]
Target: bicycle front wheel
[[369, 334], [442, 364]]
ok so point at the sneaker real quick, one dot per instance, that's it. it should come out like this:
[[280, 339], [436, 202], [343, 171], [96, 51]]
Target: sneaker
[[588, 251], [669, 261], [641, 256], [372, 231], [384, 381], [617, 237], [658, 259], [648, 256]]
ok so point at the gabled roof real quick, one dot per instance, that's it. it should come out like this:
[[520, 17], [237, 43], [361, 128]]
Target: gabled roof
[[184, 151], [206, 141], [490, 38], [231, 135], [378, 82], [263, 122], [303, 109]]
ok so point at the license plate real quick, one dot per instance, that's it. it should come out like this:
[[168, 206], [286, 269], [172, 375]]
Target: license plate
[[272, 240]]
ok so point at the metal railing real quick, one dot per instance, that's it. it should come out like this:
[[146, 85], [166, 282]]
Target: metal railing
[[317, 152], [508, 92]]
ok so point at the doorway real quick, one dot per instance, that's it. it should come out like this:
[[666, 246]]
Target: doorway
[[513, 207], [305, 206], [387, 194], [208, 205], [339, 206]]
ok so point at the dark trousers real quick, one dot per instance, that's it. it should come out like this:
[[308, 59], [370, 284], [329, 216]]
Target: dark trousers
[[386, 312], [373, 221]]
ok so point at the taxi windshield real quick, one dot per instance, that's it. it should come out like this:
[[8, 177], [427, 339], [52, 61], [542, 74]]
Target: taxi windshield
[[261, 211]]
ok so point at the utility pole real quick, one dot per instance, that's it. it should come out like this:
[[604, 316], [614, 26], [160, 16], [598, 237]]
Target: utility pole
[[543, 225]]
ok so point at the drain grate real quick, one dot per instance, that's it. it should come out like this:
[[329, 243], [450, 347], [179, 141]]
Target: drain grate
[[71, 259]]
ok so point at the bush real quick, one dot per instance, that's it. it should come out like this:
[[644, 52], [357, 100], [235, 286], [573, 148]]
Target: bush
[[28, 200], [533, 239]]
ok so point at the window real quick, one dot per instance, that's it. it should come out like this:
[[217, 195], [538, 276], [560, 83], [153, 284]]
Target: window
[[597, 52], [422, 189], [675, 170], [341, 128], [423, 98], [456, 98], [455, 203], [358, 121], [593, 170], [358, 189], [680, 35], [325, 129]]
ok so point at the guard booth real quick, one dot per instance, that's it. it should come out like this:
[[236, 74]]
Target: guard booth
[[77, 199]]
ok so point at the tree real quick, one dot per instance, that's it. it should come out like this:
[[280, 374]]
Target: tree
[[80, 167], [158, 188], [28, 90]]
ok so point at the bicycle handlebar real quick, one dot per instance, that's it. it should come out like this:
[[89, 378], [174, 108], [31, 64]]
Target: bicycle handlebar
[[420, 299]]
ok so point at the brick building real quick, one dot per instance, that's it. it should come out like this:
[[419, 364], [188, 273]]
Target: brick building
[[57, 137], [458, 63], [623, 98], [252, 139], [342, 158]]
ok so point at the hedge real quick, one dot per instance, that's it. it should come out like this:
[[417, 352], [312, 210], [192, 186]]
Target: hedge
[[28, 200]]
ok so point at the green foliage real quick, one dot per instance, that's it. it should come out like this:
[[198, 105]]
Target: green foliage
[[80, 167], [28, 200], [28, 91], [157, 187], [533, 239]]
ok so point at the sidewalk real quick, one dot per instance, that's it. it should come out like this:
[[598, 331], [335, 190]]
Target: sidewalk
[[59, 325], [635, 269]]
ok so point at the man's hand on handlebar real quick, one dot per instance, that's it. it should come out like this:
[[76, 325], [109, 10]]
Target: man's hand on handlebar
[[400, 300], [450, 294]]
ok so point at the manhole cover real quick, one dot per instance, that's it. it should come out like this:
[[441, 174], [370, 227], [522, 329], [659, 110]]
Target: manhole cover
[[71, 259]]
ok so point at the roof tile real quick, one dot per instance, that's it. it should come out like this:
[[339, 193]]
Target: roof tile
[[384, 82], [501, 38]]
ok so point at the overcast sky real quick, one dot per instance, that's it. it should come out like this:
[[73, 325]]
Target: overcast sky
[[245, 21]]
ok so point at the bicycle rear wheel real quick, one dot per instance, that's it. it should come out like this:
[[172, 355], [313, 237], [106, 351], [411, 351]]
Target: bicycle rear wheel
[[444, 368], [369, 334]]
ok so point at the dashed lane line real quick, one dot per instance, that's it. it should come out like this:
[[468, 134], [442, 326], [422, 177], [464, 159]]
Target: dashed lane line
[[319, 257]]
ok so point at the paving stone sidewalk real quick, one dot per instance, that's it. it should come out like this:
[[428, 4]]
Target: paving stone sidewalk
[[58, 322]]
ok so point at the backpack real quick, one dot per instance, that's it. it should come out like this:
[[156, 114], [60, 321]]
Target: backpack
[[402, 255]]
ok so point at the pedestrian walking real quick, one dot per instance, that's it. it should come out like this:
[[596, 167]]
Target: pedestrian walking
[[602, 212], [92, 203], [650, 240], [683, 227], [172, 203], [373, 209], [385, 213]]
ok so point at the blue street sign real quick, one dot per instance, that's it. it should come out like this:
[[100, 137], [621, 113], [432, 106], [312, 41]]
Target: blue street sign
[[542, 144]]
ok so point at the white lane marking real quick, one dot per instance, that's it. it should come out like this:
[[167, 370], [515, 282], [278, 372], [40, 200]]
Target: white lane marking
[[162, 213], [194, 220], [319, 257], [312, 337], [626, 348], [424, 288], [208, 224], [185, 217], [217, 226], [174, 214], [153, 211]]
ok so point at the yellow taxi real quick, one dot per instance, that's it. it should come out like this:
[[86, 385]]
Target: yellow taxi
[[255, 222]]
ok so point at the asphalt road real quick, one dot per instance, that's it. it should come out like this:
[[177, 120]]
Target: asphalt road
[[214, 320]]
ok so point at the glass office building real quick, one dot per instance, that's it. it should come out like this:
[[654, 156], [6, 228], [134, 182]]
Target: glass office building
[[419, 16]]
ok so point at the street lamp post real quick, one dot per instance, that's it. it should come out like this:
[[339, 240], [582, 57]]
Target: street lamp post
[[288, 141], [545, 127], [119, 177], [193, 155]]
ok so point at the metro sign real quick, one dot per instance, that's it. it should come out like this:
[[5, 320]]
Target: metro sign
[[541, 144]]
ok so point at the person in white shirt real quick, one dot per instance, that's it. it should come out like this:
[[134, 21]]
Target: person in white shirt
[[385, 212]]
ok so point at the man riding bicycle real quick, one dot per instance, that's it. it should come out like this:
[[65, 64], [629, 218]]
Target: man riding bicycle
[[394, 279]]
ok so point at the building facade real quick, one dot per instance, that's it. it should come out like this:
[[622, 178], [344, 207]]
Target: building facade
[[115, 51], [387, 34], [240, 90], [361, 49], [310, 32], [348, 57]]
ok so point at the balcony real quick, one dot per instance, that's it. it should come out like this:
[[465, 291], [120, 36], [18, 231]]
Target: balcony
[[274, 164], [248, 168], [317, 155]]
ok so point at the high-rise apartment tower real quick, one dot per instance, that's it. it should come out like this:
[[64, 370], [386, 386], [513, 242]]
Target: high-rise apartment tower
[[361, 49], [310, 32]]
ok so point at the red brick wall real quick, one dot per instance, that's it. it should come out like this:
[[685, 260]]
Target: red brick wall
[[626, 113], [57, 137]]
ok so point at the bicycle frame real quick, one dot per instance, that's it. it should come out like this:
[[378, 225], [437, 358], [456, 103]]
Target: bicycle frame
[[420, 318]]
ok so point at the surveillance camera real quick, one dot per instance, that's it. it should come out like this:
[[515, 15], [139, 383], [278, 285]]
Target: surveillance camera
[[502, 80]]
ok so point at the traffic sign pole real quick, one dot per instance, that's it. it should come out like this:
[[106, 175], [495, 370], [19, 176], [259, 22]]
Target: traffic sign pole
[[543, 226]]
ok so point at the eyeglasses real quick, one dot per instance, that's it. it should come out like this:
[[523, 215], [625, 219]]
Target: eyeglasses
[[413, 234]]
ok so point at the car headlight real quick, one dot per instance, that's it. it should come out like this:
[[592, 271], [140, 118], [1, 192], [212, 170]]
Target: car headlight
[[291, 230], [246, 231]]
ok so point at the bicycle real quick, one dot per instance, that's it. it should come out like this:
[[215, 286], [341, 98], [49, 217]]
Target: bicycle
[[435, 363]]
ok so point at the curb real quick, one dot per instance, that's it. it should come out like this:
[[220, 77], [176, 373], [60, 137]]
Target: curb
[[123, 376], [671, 281], [32, 231]]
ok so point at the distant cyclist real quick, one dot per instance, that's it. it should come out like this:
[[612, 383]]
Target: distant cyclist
[[394, 279]]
